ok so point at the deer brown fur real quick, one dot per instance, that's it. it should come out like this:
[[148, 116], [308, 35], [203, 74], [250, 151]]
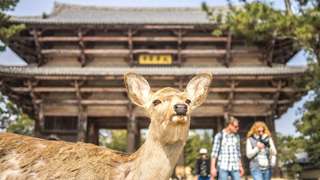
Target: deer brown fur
[[169, 109]]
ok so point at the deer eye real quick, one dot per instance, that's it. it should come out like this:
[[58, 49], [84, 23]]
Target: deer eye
[[188, 101], [156, 102]]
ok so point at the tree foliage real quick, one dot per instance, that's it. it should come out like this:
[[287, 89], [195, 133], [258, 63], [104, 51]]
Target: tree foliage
[[12, 119], [193, 145], [8, 112], [289, 146], [114, 139], [256, 21], [23, 125], [7, 29], [259, 21]]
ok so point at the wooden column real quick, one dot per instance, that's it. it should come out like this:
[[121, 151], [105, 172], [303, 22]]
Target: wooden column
[[82, 124], [271, 52], [133, 131], [276, 97], [82, 58], [36, 34], [228, 56], [179, 47], [82, 115], [220, 124], [130, 46], [39, 121], [93, 133], [41, 116], [231, 96]]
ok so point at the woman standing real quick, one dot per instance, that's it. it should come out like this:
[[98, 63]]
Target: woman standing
[[261, 151]]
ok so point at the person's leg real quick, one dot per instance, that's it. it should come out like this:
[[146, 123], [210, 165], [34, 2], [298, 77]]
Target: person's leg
[[204, 178], [235, 175], [266, 174], [256, 174], [223, 174]]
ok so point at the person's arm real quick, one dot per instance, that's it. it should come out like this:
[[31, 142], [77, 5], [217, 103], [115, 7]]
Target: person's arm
[[214, 154], [197, 167], [241, 168], [273, 152], [213, 169], [239, 156], [272, 147], [251, 151]]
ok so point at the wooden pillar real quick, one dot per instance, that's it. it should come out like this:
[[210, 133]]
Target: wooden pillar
[[36, 34], [93, 133], [130, 45], [179, 33], [271, 52], [82, 58], [228, 56], [179, 48], [39, 117], [132, 128], [82, 124], [278, 85], [82, 115], [231, 96], [220, 124], [133, 136]]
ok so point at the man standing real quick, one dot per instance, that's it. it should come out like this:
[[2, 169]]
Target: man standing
[[226, 156]]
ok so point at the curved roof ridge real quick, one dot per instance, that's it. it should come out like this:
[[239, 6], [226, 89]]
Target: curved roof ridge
[[63, 13], [58, 6]]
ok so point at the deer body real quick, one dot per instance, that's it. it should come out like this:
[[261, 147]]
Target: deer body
[[169, 110]]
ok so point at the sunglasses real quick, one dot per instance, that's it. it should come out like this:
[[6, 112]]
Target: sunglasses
[[235, 126]]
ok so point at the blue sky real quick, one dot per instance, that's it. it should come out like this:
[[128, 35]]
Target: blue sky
[[37, 7]]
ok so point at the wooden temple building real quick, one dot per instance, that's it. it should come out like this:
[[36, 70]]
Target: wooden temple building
[[76, 56]]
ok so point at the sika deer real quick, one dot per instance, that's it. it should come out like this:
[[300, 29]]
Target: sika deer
[[169, 110]]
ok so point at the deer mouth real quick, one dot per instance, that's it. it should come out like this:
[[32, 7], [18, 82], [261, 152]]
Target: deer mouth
[[179, 119]]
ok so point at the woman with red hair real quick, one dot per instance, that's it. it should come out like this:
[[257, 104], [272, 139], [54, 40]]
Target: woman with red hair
[[261, 151]]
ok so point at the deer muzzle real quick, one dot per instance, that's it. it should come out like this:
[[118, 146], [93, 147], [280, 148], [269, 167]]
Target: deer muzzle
[[181, 109]]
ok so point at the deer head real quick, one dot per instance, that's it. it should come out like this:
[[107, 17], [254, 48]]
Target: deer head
[[169, 109]]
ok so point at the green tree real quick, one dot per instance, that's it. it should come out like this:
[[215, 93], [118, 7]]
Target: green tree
[[23, 125], [260, 22], [8, 112], [290, 146], [7, 29], [193, 145], [114, 139], [12, 119]]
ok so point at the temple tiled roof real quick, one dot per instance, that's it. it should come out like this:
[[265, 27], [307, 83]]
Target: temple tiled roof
[[97, 71], [77, 14]]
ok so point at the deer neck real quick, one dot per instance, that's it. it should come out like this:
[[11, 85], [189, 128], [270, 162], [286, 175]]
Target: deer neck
[[155, 159]]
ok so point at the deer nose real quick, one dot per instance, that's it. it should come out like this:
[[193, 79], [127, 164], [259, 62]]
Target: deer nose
[[181, 109]]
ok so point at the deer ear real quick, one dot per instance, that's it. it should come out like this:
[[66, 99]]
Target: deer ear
[[138, 89], [197, 89]]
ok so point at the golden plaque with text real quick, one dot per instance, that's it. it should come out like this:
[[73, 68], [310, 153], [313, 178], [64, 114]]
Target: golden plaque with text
[[146, 59]]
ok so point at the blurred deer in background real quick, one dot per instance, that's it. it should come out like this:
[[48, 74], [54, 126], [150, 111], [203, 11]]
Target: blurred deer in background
[[169, 110]]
